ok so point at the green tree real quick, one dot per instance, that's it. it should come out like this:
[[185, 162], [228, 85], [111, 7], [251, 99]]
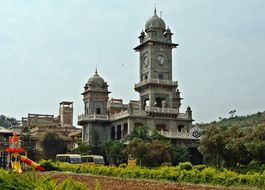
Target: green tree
[[149, 153], [95, 146], [255, 143], [138, 149], [158, 153], [140, 132], [27, 143], [115, 152], [83, 149], [7, 122], [181, 154], [235, 151], [52, 144], [212, 144]]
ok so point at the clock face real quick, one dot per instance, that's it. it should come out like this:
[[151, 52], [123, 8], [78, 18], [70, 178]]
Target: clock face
[[160, 59], [145, 61]]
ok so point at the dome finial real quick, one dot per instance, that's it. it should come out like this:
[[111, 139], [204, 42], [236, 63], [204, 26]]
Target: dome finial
[[96, 70], [155, 10]]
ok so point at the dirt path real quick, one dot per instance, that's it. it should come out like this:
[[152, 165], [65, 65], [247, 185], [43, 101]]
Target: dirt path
[[112, 183]]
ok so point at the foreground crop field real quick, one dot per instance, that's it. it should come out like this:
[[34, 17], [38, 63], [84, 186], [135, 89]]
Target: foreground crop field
[[112, 183]]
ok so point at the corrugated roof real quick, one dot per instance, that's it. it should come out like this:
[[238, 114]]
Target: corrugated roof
[[4, 130]]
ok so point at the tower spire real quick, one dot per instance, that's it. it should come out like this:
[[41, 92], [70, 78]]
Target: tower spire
[[155, 10], [96, 70]]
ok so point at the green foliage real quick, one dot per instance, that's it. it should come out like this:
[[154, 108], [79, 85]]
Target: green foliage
[[52, 144], [185, 166], [181, 154], [67, 184], [150, 149], [97, 185], [29, 181], [7, 122], [233, 146], [150, 153], [49, 165], [184, 172], [239, 121], [27, 143], [83, 149], [115, 152], [141, 133]]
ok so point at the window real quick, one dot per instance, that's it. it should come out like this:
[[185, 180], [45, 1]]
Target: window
[[98, 111], [160, 127], [180, 127], [160, 76]]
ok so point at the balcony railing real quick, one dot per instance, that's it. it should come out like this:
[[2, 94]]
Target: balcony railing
[[182, 135], [92, 117], [119, 115], [160, 110], [156, 81]]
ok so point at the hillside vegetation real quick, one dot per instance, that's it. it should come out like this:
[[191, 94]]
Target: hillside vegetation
[[239, 121], [236, 141]]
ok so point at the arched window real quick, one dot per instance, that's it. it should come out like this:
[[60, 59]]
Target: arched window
[[98, 111]]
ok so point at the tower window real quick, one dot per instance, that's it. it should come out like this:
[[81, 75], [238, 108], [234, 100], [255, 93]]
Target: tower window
[[98, 111], [180, 127], [145, 77], [160, 76]]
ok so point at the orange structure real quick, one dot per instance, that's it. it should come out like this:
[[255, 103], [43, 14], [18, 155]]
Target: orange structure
[[15, 151]]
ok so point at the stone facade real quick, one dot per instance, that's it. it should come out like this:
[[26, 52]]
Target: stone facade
[[159, 101], [62, 125]]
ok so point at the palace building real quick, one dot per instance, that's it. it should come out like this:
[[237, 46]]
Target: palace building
[[159, 102]]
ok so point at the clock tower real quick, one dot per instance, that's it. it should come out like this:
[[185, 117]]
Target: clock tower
[[156, 88]]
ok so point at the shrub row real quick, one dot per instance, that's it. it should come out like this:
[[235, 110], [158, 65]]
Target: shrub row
[[29, 181], [184, 172]]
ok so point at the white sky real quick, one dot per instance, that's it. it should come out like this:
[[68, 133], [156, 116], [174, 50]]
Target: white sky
[[50, 48]]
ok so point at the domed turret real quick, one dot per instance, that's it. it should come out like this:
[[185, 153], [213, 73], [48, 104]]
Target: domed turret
[[155, 22], [96, 79], [96, 82]]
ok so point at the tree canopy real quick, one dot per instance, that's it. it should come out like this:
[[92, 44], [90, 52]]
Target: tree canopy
[[8, 122], [52, 144], [233, 145]]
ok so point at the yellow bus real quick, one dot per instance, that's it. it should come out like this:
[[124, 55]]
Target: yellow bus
[[93, 159], [69, 158]]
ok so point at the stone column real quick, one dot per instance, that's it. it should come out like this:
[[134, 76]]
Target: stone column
[[122, 128], [116, 131]]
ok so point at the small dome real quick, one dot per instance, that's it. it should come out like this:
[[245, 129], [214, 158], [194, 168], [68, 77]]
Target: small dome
[[96, 80], [155, 22]]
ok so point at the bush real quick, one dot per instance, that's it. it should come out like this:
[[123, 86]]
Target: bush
[[48, 165], [184, 172], [185, 166], [29, 181]]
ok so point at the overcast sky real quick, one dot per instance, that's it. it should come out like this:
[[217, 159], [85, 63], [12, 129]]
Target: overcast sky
[[50, 48]]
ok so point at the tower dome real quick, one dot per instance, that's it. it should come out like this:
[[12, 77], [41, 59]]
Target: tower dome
[[155, 22], [96, 80]]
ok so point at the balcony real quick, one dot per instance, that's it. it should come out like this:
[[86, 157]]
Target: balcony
[[178, 135], [155, 81], [161, 110], [92, 117]]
